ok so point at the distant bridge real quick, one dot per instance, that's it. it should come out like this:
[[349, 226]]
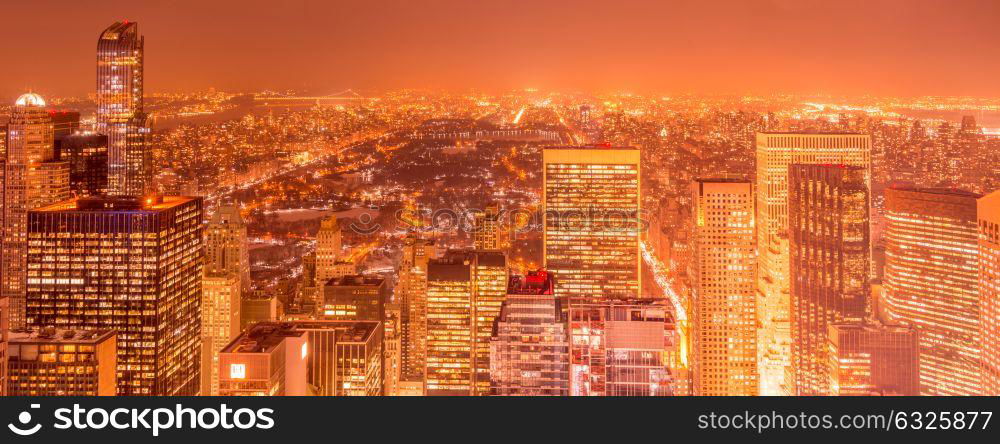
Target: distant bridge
[[277, 98]]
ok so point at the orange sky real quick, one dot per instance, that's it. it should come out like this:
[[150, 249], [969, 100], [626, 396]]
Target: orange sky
[[905, 47]]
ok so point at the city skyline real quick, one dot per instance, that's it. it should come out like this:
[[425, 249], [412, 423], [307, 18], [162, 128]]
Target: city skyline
[[890, 47]]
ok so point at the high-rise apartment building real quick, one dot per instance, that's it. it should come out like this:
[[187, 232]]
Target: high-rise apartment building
[[529, 351], [120, 113], [775, 152], [464, 292], [31, 178], [226, 245], [490, 231], [591, 223], [269, 359], [128, 265], [931, 283], [53, 362], [220, 323], [328, 245], [988, 210], [723, 306], [873, 359], [617, 347], [411, 295], [828, 231]]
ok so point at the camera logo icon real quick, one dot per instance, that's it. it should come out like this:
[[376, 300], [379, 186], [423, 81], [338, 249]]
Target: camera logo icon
[[25, 419]]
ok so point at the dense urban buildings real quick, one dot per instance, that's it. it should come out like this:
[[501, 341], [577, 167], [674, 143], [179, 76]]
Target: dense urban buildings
[[411, 295], [828, 231], [932, 283], [775, 152], [724, 305], [53, 362], [491, 230], [590, 196], [132, 266], [529, 350]]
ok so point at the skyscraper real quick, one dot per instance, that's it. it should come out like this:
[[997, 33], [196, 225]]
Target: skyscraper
[[988, 210], [775, 152], [617, 347], [529, 351], [490, 230], [127, 265], [411, 294], [724, 315], [32, 178], [226, 245], [87, 156], [591, 224], [932, 283], [120, 113], [328, 245], [354, 298], [829, 239], [220, 323], [873, 359], [464, 292]]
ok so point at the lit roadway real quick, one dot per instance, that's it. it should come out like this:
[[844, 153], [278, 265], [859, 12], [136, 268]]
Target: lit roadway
[[660, 273]]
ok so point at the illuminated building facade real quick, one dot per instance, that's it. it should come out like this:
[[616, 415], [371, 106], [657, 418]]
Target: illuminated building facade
[[617, 347], [591, 222], [257, 306], [31, 178], [873, 359], [220, 323], [51, 362], [354, 298], [411, 294], [775, 152], [130, 266], [529, 351], [932, 283], [328, 245], [345, 357], [988, 209], [490, 230], [226, 245], [87, 156], [120, 113], [723, 307], [828, 232], [268, 359], [465, 290]]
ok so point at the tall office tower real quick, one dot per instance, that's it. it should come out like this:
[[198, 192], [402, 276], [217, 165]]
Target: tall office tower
[[269, 359], [490, 229], [328, 247], [464, 292], [52, 362], [226, 245], [220, 323], [130, 265], [354, 298], [411, 294], [591, 234], [120, 113], [64, 123], [529, 351], [617, 347], [724, 314], [775, 152], [873, 359], [32, 178], [87, 156], [828, 234], [988, 210], [391, 349], [931, 283], [345, 357]]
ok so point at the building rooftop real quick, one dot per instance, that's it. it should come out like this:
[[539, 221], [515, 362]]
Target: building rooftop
[[59, 336], [355, 280], [938, 191], [598, 146], [105, 203], [535, 282], [262, 337]]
